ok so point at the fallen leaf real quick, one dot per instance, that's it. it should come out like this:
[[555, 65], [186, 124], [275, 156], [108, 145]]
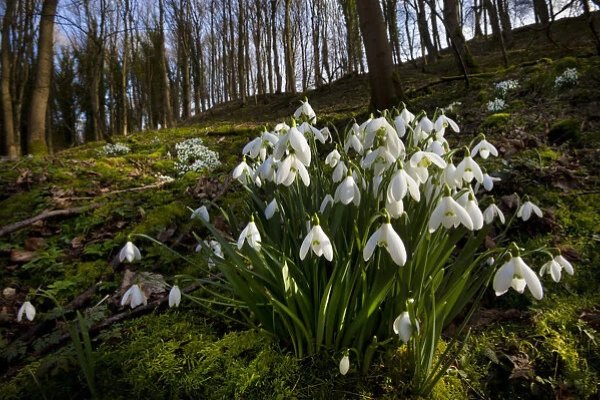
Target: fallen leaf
[[21, 256]]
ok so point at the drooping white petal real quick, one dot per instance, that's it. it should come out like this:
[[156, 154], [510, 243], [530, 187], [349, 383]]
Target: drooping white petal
[[201, 213], [306, 245], [333, 158], [129, 252], [475, 214], [174, 296], [491, 212], [344, 365], [403, 327], [251, 235], [326, 201], [28, 309], [371, 244], [393, 244], [533, 282], [271, 209], [503, 278], [563, 262]]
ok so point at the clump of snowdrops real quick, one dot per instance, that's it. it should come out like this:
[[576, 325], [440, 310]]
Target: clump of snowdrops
[[567, 79], [496, 105], [504, 86], [376, 241], [116, 149], [193, 155]]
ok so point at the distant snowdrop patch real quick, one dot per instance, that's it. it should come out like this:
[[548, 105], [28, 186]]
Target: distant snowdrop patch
[[505, 86], [567, 79], [496, 105], [115, 149], [194, 156]]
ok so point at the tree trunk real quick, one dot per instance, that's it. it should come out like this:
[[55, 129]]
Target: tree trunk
[[316, 30], [36, 137], [290, 73], [167, 111], [123, 129], [477, 7], [540, 8], [496, 31], [8, 125], [505, 22], [432, 54], [464, 59], [379, 55], [590, 21], [279, 83], [241, 62]]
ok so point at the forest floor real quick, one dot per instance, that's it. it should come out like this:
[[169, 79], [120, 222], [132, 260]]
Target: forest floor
[[549, 142]]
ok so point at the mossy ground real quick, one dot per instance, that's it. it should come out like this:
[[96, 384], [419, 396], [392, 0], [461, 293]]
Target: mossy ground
[[517, 349]]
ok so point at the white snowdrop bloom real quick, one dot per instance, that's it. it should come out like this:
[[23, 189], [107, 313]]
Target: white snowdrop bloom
[[393, 207], [347, 191], [438, 147], [403, 327], [344, 365], [468, 169], [174, 296], [134, 296], [216, 249], [378, 160], [251, 235], [354, 140], [266, 170], [281, 128], [518, 275], [377, 179], [271, 209], [449, 214], [563, 262], [306, 128], [326, 134], [318, 242], [28, 309], [386, 135], [420, 162], [474, 212], [484, 149], [401, 184], [425, 125], [259, 146], [386, 237], [201, 213], [289, 168], [328, 200], [488, 182], [295, 142], [129, 252], [442, 122], [525, 211], [305, 110], [400, 126], [339, 172], [407, 116], [553, 268], [490, 261], [243, 173], [449, 177], [491, 212], [333, 158]]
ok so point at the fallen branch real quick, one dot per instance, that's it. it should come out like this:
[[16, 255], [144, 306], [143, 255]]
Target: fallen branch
[[134, 189], [45, 215]]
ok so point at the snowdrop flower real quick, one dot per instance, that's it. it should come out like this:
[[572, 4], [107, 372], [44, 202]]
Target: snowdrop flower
[[344, 364], [484, 149], [174, 296], [134, 296], [281, 128], [267, 170], [491, 212], [403, 327], [379, 160], [525, 211], [201, 213], [407, 116], [339, 172], [318, 242], [333, 158], [28, 309], [449, 214], [289, 168], [442, 122], [474, 212], [449, 177], [425, 125], [438, 147], [401, 184], [216, 249], [468, 169], [555, 266], [400, 126], [386, 237], [306, 128], [387, 136], [488, 182], [271, 209], [420, 162], [243, 173], [259, 146], [393, 207], [347, 191], [516, 274], [354, 140], [129, 252], [251, 235], [305, 110], [326, 201], [295, 142]]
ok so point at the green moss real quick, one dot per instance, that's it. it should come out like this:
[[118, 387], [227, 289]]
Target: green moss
[[161, 217], [567, 62], [22, 205], [496, 121]]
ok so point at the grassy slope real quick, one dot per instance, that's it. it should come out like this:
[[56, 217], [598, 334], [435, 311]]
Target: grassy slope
[[518, 349]]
